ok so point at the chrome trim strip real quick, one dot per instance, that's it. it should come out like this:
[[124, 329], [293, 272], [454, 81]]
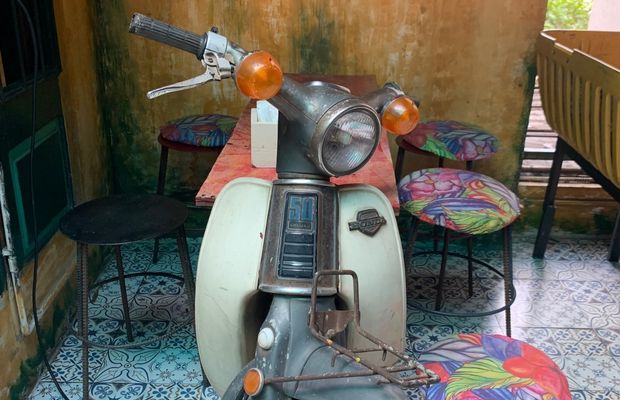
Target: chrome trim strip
[[297, 291], [303, 181]]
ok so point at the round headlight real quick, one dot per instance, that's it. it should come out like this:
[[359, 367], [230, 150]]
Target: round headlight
[[348, 142]]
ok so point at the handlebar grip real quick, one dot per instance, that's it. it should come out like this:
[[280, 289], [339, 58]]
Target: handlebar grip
[[167, 34]]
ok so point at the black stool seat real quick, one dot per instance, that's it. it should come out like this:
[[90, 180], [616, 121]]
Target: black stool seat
[[123, 219], [117, 220]]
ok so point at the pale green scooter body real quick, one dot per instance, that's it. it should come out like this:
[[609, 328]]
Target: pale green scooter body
[[229, 306]]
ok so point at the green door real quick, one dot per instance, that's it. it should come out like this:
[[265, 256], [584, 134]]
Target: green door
[[51, 168]]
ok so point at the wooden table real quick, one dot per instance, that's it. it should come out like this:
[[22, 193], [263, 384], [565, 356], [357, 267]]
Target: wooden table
[[234, 160]]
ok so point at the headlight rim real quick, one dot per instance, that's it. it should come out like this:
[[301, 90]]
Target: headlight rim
[[324, 125]]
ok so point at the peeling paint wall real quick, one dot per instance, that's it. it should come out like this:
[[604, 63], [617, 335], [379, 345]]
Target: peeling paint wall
[[91, 177], [464, 59]]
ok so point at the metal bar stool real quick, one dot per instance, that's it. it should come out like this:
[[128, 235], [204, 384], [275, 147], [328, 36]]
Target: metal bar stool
[[113, 221], [451, 140], [206, 133], [466, 204]]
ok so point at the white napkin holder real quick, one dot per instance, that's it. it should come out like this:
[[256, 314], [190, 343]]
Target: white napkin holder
[[264, 135]]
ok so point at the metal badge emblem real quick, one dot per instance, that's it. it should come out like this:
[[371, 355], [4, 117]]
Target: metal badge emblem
[[368, 222]]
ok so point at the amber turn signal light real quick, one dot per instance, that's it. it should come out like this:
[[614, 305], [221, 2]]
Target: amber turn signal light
[[253, 382], [400, 116], [259, 76]]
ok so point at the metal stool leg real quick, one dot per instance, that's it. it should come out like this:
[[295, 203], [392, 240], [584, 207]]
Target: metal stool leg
[[442, 271], [469, 165], [189, 280], [470, 267], [187, 266], [614, 247], [411, 238], [398, 169], [161, 183], [508, 276], [121, 282], [82, 287], [544, 229], [436, 230]]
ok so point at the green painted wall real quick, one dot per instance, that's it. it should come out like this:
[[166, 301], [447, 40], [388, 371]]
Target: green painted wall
[[133, 162]]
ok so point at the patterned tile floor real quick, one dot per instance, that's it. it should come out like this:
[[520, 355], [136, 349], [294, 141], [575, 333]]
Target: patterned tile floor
[[568, 305]]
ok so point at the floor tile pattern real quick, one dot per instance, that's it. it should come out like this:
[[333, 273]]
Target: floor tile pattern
[[567, 305]]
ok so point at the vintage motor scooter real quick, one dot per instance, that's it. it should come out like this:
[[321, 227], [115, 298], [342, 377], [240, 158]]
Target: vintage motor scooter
[[293, 274]]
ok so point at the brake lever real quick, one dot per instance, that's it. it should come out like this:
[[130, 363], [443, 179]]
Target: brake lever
[[216, 68]]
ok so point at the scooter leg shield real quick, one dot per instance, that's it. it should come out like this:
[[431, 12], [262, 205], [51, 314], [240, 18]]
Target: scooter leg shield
[[377, 259], [228, 304]]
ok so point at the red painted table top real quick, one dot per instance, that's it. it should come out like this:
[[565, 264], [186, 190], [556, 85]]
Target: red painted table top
[[234, 160]]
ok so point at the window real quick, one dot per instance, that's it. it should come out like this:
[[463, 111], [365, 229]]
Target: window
[[16, 56], [51, 173], [52, 188]]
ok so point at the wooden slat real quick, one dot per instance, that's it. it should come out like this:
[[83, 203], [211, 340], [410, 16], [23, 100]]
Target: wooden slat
[[606, 150], [587, 116], [546, 134], [537, 155], [559, 93], [533, 143], [544, 165], [566, 104], [597, 141], [577, 117], [615, 123]]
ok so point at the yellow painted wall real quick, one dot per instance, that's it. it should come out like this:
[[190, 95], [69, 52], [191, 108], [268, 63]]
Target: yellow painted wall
[[78, 84], [90, 179], [464, 59]]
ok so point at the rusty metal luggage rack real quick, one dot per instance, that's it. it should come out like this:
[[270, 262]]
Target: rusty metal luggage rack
[[324, 325]]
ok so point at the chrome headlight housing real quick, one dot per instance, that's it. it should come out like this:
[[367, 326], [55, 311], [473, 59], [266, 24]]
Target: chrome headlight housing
[[345, 137]]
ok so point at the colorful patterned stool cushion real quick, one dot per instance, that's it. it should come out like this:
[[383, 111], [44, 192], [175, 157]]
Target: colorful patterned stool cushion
[[453, 140], [463, 201], [209, 130], [492, 367]]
